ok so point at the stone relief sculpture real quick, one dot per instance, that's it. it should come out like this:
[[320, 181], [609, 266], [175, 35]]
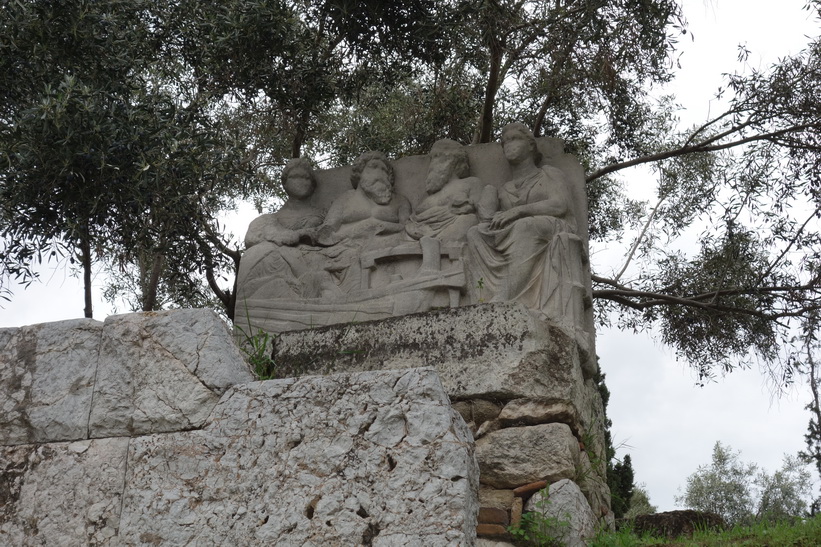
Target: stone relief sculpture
[[272, 263], [449, 208], [526, 248], [370, 216], [464, 225]]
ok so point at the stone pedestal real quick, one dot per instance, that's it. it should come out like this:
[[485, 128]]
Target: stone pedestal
[[517, 380]]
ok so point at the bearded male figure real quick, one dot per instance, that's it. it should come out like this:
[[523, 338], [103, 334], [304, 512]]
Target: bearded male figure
[[449, 209], [369, 216]]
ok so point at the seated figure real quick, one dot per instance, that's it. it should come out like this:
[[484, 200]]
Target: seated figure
[[296, 218], [525, 248], [272, 262], [449, 209], [370, 216]]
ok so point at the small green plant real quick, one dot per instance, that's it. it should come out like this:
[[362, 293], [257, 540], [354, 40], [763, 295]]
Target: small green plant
[[258, 349], [480, 284], [540, 529]]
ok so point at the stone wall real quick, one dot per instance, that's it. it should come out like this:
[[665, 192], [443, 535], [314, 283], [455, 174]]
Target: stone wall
[[148, 429], [520, 383]]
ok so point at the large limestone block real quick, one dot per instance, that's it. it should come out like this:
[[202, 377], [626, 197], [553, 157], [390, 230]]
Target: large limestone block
[[564, 502], [162, 371], [519, 455], [376, 458], [62, 493], [500, 351], [46, 380]]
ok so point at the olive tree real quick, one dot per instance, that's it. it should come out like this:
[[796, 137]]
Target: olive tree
[[741, 493]]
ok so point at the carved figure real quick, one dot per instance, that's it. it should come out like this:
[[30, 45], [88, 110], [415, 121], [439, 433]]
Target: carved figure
[[297, 217], [271, 263], [370, 258], [525, 247], [367, 217], [449, 209], [371, 209]]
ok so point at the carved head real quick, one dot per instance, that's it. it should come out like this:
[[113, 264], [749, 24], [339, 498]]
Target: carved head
[[298, 178], [374, 173], [448, 160], [514, 133]]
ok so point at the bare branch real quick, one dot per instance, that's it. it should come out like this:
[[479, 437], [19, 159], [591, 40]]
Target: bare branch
[[640, 237], [700, 147]]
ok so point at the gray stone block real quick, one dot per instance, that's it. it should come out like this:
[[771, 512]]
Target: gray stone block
[[134, 374], [62, 493], [515, 456], [565, 503], [162, 371], [491, 351], [374, 458], [46, 380]]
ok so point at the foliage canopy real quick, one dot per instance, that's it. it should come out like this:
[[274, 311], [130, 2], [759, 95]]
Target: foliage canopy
[[125, 126], [741, 493]]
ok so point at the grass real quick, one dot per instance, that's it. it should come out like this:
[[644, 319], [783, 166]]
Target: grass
[[803, 533]]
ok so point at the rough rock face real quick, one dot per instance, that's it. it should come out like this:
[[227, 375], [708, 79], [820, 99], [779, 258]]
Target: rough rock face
[[376, 458], [62, 493], [175, 458], [162, 371], [46, 380], [548, 452], [134, 374], [492, 350], [565, 502], [517, 380]]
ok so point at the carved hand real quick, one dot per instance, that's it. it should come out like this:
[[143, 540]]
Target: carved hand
[[503, 218], [285, 237]]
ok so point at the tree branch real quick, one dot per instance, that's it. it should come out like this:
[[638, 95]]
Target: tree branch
[[640, 237], [700, 147]]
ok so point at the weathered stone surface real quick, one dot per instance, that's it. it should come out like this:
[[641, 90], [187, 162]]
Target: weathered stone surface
[[133, 374], [592, 420], [493, 515], [673, 524], [516, 511], [593, 483], [565, 502], [477, 411], [46, 379], [492, 530], [492, 351], [371, 458], [62, 493], [162, 371], [490, 497], [519, 455], [520, 412], [483, 542], [376, 458]]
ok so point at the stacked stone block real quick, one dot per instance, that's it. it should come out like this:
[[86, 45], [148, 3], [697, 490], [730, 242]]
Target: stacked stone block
[[149, 429], [522, 385]]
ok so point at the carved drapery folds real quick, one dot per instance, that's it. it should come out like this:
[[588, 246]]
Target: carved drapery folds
[[464, 225]]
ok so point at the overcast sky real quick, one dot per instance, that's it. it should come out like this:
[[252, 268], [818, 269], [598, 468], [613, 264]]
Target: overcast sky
[[664, 422]]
